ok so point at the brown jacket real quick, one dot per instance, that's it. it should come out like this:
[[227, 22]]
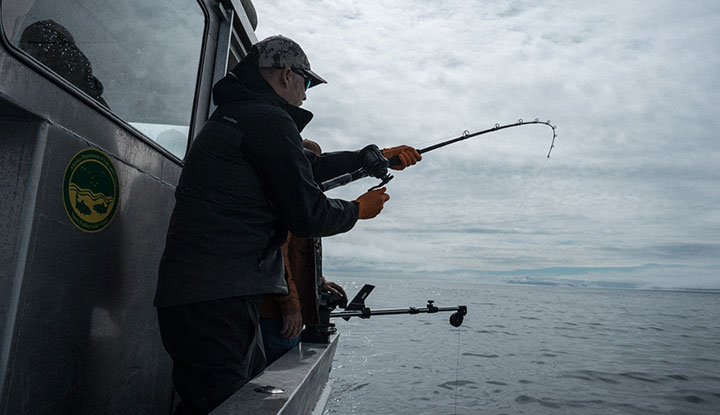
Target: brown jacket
[[303, 277]]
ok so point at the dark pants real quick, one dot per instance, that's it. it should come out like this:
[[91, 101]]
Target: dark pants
[[216, 347]]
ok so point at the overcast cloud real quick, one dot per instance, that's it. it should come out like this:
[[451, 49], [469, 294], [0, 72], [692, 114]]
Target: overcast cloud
[[629, 195]]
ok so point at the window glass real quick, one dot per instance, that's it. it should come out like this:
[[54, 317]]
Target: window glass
[[138, 58]]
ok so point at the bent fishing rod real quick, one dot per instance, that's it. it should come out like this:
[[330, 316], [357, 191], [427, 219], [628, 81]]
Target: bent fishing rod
[[378, 166]]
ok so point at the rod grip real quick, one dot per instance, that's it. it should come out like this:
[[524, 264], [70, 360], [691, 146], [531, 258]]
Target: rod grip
[[394, 161], [343, 179], [336, 182]]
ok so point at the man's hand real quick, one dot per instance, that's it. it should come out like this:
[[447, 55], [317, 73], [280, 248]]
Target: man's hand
[[371, 203], [292, 325], [333, 288], [406, 154]]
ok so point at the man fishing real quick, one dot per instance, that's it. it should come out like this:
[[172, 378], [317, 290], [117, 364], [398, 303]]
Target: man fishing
[[245, 184]]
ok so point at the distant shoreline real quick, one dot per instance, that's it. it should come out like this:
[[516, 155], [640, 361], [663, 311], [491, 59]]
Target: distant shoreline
[[610, 285]]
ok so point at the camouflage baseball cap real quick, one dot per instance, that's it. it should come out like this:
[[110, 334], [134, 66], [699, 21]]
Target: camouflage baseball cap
[[279, 52]]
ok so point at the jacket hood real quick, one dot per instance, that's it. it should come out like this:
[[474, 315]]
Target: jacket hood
[[244, 83]]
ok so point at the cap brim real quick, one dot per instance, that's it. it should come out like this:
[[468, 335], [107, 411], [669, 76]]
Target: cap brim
[[315, 79]]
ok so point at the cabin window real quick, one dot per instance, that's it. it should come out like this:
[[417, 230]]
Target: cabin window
[[138, 58]]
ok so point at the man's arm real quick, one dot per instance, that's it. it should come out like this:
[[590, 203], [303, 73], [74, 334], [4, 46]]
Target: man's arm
[[330, 165], [290, 184], [289, 304]]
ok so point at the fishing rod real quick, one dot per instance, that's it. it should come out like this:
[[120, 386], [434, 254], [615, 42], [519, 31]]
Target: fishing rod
[[379, 166]]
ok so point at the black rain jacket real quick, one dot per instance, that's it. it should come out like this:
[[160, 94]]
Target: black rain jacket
[[246, 182]]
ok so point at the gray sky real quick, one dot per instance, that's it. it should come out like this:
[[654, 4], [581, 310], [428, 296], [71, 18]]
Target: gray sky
[[631, 191]]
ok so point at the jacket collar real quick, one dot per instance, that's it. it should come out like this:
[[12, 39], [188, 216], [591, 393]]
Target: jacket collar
[[244, 83]]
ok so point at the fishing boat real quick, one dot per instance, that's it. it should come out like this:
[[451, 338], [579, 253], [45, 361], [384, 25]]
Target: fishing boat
[[99, 102]]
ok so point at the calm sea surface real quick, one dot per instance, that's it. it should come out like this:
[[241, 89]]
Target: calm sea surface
[[529, 350]]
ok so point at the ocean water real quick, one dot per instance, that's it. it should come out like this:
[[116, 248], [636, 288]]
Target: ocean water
[[529, 350]]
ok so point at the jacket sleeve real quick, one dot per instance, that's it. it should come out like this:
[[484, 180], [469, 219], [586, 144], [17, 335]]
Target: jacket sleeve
[[331, 165], [291, 185]]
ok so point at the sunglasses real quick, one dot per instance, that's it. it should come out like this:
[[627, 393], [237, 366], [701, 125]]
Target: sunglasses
[[305, 76]]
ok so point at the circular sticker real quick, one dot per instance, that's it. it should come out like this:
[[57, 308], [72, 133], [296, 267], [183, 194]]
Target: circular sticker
[[90, 190]]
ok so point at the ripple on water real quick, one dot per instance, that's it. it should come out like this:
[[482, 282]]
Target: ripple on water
[[420, 398], [549, 403], [358, 387], [693, 399], [696, 397], [488, 356], [656, 328], [573, 403], [644, 377], [455, 383], [591, 376]]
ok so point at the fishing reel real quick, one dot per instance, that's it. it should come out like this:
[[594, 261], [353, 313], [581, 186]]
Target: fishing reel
[[373, 164], [376, 165]]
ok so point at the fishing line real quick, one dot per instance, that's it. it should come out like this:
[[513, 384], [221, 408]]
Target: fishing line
[[522, 203], [467, 135], [457, 372], [497, 246], [534, 180]]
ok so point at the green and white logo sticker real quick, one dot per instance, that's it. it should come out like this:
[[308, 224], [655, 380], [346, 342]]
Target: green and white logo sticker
[[91, 190]]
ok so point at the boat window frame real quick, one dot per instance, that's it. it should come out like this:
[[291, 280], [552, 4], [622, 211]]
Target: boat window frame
[[55, 78], [236, 36]]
